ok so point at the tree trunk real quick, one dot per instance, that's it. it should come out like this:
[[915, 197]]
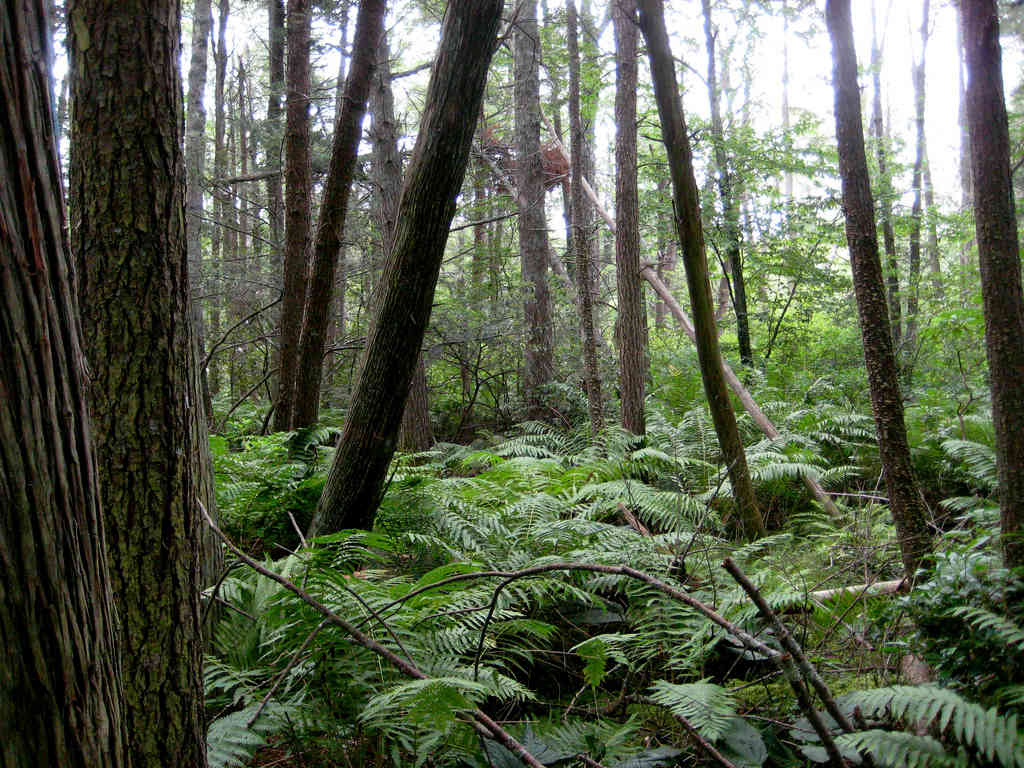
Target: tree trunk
[[220, 195], [581, 238], [931, 214], [691, 238], [61, 700], [632, 315], [966, 191], [729, 197], [885, 195], [298, 210], [333, 207], [275, 37], [415, 432], [904, 498], [128, 222], [406, 292], [667, 257], [914, 260], [538, 357], [998, 259]]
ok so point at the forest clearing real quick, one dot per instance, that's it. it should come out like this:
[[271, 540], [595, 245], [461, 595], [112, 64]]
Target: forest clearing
[[493, 384]]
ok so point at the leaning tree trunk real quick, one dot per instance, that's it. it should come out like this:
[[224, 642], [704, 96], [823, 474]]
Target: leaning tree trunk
[[581, 239], [333, 207], [632, 315], [905, 501], [298, 204], [691, 238], [998, 259], [128, 225], [538, 357], [406, 291], [60, 686]]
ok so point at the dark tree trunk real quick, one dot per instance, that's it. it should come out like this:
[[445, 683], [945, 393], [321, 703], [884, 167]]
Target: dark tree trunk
[[298, 211], [538, 357], [406, 291], [998, 259], [275, 37], [729, 196], [691, 239], [128, 223], [581, 238], [914, 259], [904, 497], [60, 685], [221, 197], [415, 432], [632, 315], [892, 276], [333, 207]]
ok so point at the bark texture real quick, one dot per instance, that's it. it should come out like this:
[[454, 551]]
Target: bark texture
[[298, 210], [998, 259], [904, 498], [632, 314], [128, 229], [60, 669], [691, 239], [406, 292], [333, 207], [538, 357]]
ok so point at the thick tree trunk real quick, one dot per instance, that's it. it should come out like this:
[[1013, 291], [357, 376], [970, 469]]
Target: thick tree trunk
[[538, 357], [415, 432], [892, 276], [632, 315], [581, 238], [691, 238], [333, 207], [905, 501], [406, 292], [127, 191], [298, 210], [61, 701], [914, 259], [729, 196], [999, 260]]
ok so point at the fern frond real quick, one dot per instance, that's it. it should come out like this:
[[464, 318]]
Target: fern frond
[[709, 707]]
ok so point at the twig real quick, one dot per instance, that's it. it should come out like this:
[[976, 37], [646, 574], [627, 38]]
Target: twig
[[295, 525], [706, 745], [589, 761]]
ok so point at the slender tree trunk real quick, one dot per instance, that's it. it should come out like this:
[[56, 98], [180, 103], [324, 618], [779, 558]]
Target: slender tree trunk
[[298, 210], [61, 700], [220, 196], [914, 260], [276, 37], [667, 255], [999, 260], [892, 275], [788, 178], [905, 501], [691, 238], [966, 189], [727, 194], [580, 236], [538, 362], [633, 362], [128, 223], [333, 207], [932, 245], [406, 292]]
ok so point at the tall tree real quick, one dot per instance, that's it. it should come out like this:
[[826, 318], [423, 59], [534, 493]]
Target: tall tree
[[691, 239], [333, 207], [580, 236], [275, 39], [538, 357], [998, 259], [914, 259], [904, 497], [728, 194], [632, 313], [60, 684], [298, 210], [405, 294], [128, 228]]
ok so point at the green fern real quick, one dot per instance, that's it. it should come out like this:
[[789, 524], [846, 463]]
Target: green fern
[[708, 707], [1006, 631]]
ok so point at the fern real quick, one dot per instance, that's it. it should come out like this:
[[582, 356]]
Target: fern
[[1006, 631], [710, 708], [896, 749]]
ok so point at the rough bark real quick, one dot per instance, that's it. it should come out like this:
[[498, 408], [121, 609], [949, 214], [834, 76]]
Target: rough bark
[[632, 313], [904, 498], [538, 357], [917, 183], [128, 225], [581, 238], [415, 432], [60, 669], [298, 210], [406, 292], [892, 272], [998, 259], [728, 194], [333, 207], [691, 239]]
